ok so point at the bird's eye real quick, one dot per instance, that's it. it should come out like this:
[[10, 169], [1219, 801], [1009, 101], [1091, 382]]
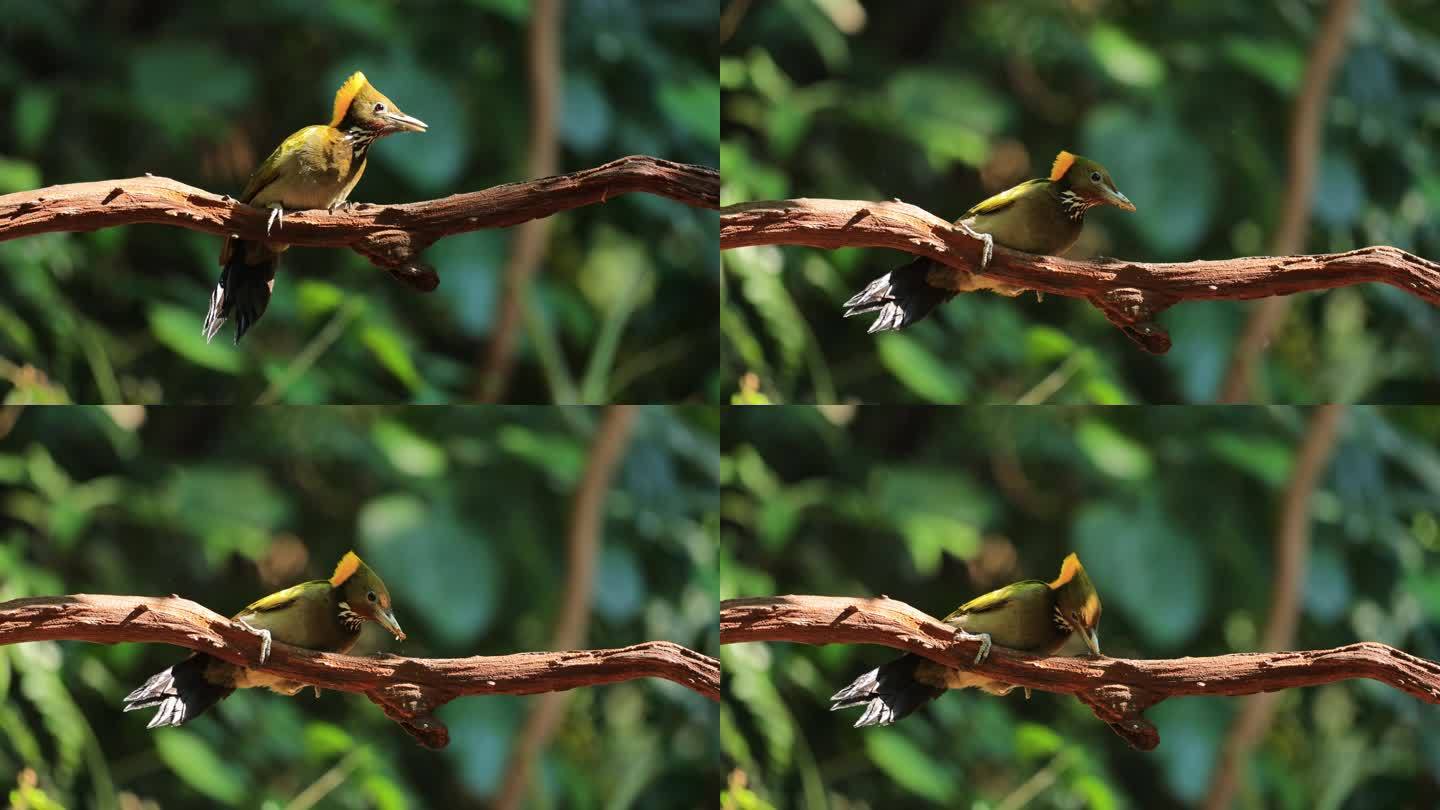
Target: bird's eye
[[370, 596], [380, 107], [1094, 176]]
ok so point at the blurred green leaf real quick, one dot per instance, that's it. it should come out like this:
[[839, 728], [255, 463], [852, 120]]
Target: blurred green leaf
[[1154, 572], [179, 330], [1112, 452], [1126, 59], [920, 370], [909, 765], [428, 556], [1150, 157], [189, 757]]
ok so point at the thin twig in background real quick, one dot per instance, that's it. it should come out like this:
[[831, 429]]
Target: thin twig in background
[[1292, 549], [527, 250], [1306, 127], [587, 519], [323, 340]]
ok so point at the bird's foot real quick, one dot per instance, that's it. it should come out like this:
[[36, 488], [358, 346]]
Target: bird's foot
[[264, 639], [277, 219], [988, 251], [1027, 693], [983, 638], [345, 205], [317, 691]]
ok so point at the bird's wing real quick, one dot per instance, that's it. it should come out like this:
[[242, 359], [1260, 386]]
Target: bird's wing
[[1000, 201], [268, 171], [285, 598], [995, 599]]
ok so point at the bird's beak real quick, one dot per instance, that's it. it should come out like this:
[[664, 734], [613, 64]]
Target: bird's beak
[[387, 621], [1117, 199], [1092, 640], [400, 122]]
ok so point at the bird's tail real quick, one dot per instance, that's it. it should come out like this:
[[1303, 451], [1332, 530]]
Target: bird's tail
[[181, 692], [888, 693], [902, 295], [244, 288]]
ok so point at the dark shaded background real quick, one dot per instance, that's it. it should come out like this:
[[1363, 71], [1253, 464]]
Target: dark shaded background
[[202, 92], [463, 513], [1186, 103], [1172, 511]]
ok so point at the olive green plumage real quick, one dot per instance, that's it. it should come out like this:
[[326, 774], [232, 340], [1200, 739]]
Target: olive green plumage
[[324, 615], [1031, 616], [316, 167], [1042, 216]]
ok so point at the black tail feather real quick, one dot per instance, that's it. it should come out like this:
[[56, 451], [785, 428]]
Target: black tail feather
[[888, 693], [902, 295], [244, 289], [181, 692]]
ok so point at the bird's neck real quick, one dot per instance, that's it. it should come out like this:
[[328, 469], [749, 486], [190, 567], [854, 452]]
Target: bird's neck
[[1073, 204], [359, 139], [347, 618]]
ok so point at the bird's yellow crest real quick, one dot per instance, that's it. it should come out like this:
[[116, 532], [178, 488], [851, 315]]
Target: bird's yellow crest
[[1070, 567], [350, 563], [1063, 162], [345, 95]]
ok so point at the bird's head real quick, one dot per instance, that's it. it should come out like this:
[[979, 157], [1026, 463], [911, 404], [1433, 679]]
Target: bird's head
[[358, 105], [1077, 605], [1089, 180], [361, 589]]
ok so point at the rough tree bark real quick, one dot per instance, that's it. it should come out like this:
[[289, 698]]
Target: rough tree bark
[[1118, 690], [1130, 294], [409, 690]]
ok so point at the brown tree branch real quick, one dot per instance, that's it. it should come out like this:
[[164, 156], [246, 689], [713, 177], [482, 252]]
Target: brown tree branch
[[1304, 148], [1131, 294], [390, 236], [1292, 549], [1118, 690], [527, 249], [409, 690], [587, 517]]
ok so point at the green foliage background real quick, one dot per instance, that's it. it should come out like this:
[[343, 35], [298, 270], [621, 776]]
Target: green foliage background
[[1172, 510], [1187, 103], [461, 510], [202, 92]]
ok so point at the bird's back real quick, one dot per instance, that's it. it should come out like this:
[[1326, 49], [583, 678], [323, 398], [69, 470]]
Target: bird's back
[[1019, 616], [1028, 217]]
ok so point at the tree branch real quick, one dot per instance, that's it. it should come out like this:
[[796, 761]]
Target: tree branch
[[1118, 690], [409, 690], [1131, 294], [390, 236]]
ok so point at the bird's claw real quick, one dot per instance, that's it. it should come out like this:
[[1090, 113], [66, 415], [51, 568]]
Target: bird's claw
[[264, 639], [988, 241], [983, 638], [277, 219]]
